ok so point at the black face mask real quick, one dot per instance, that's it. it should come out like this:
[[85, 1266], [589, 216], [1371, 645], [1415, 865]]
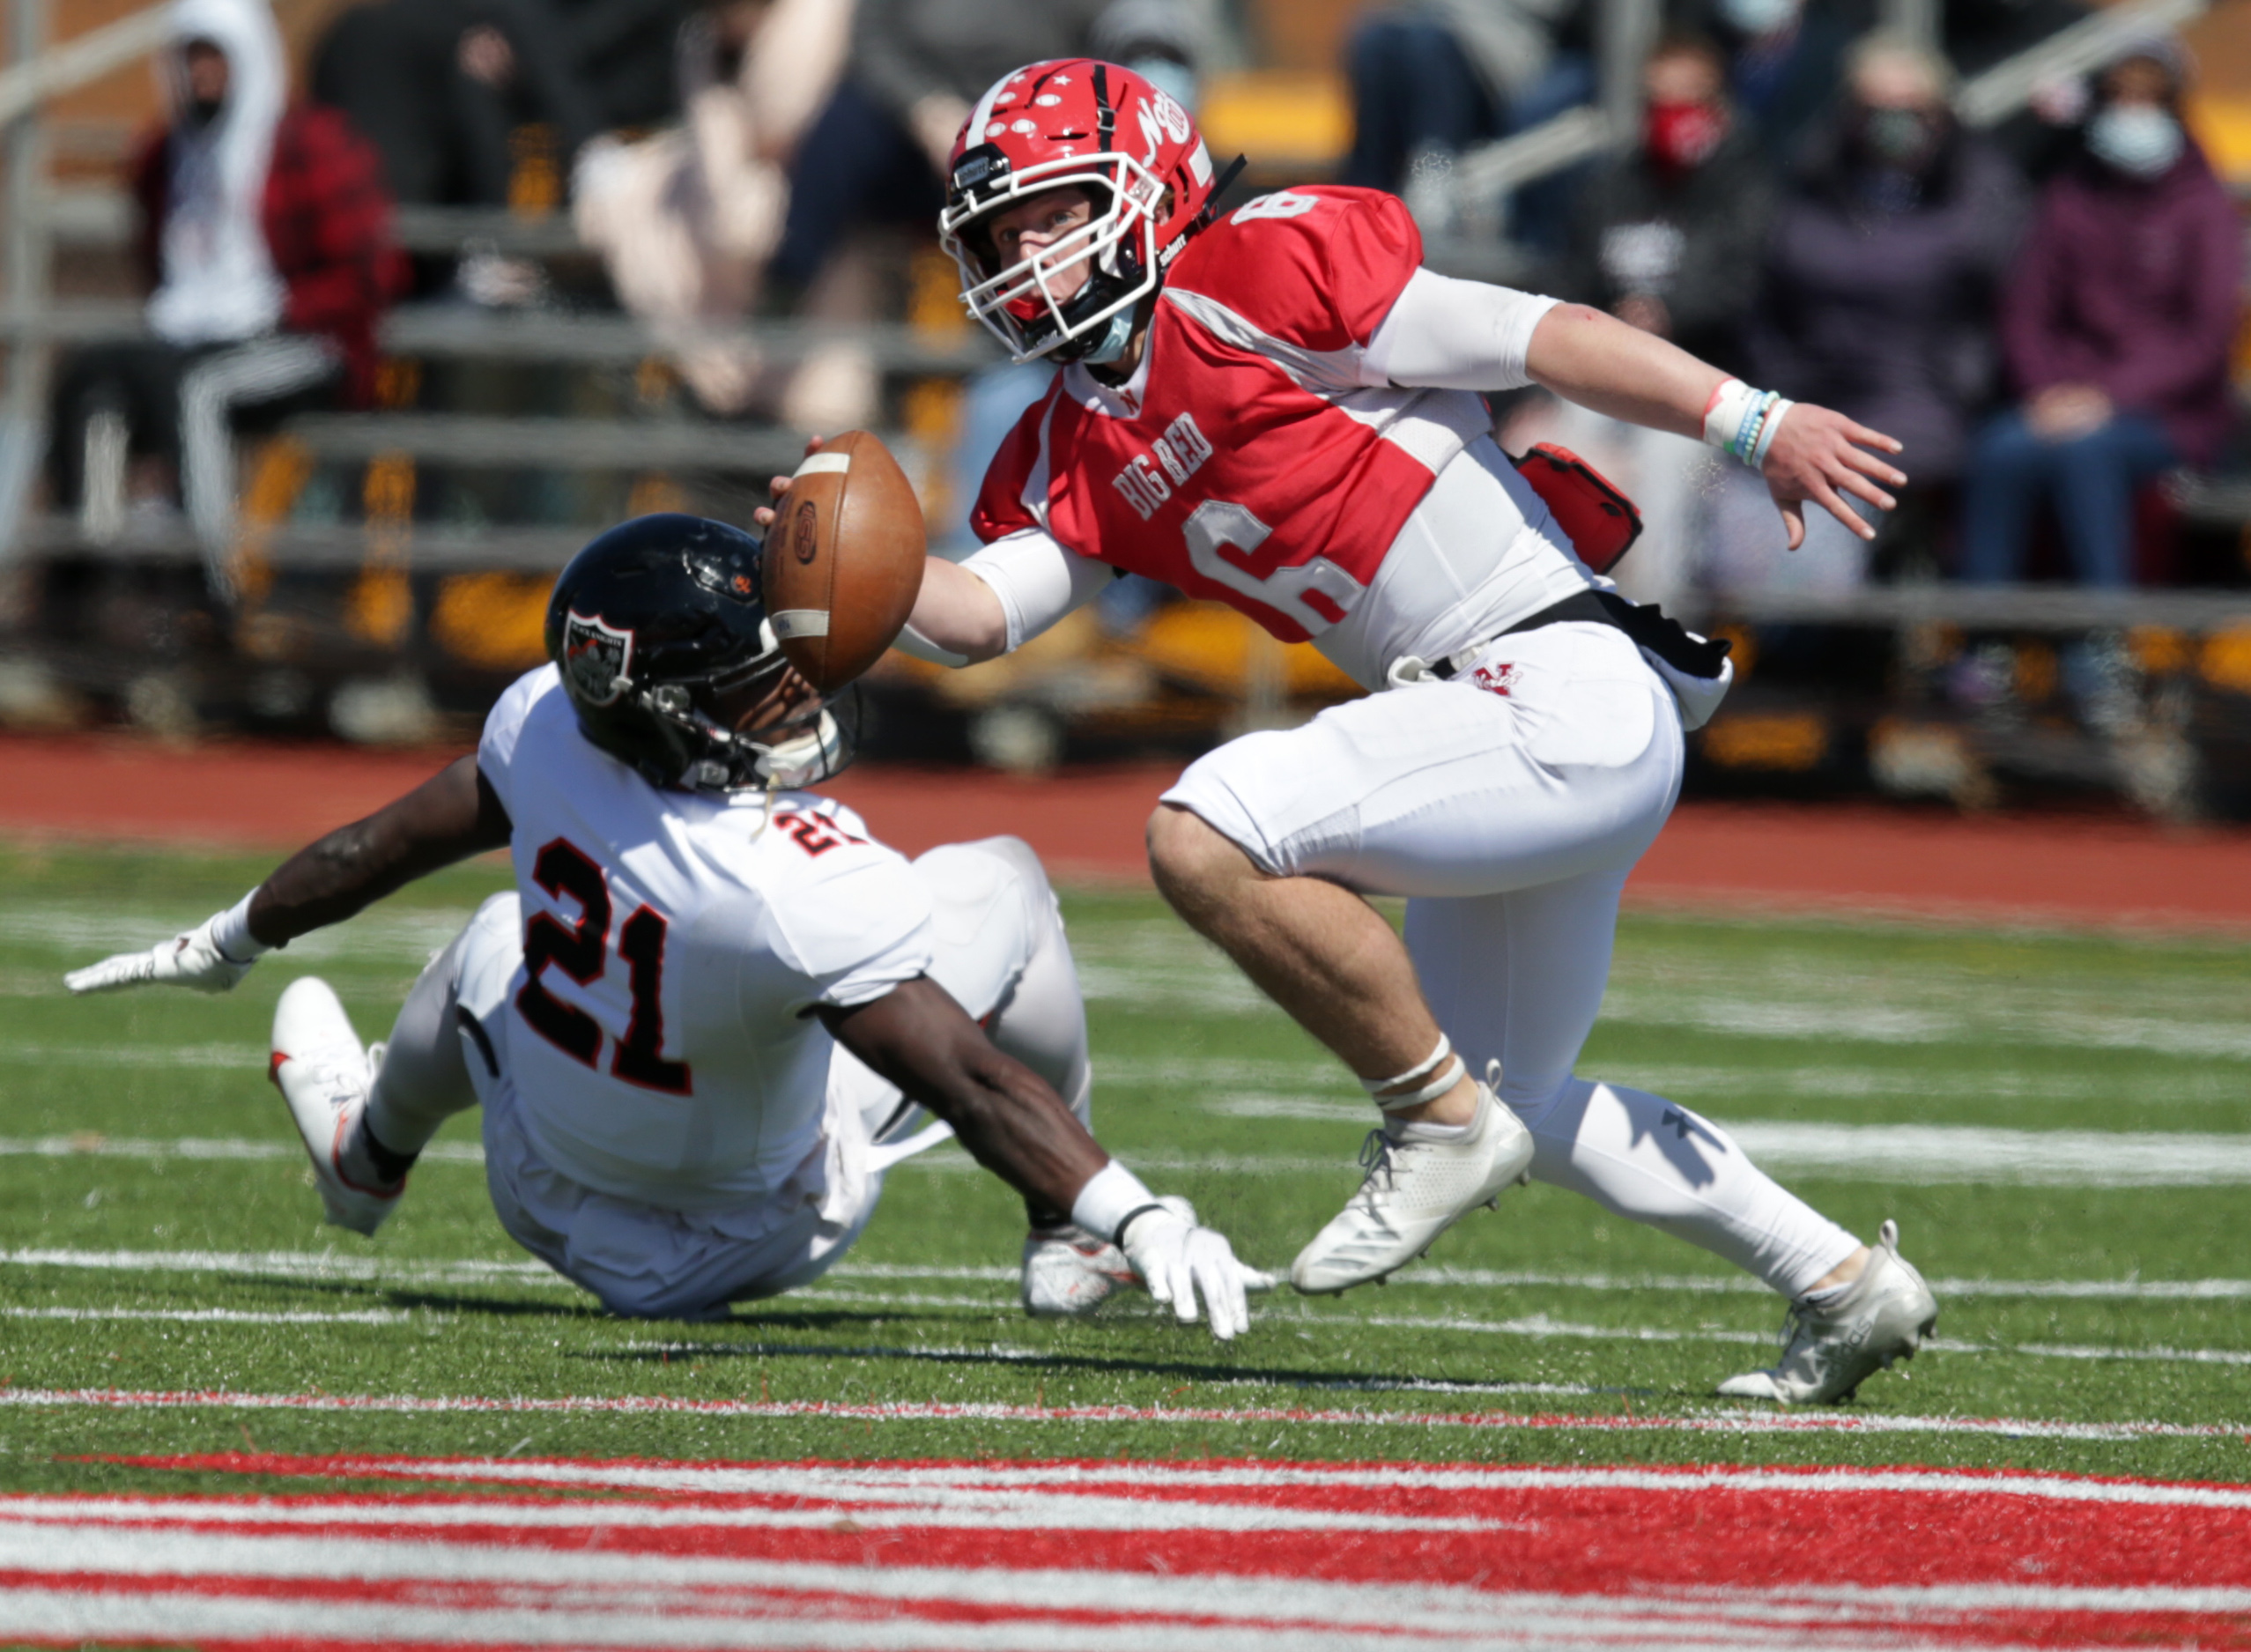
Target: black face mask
[[203, 111]]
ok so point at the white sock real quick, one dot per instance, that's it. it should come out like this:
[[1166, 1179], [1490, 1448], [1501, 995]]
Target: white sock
[[1654, 1161]]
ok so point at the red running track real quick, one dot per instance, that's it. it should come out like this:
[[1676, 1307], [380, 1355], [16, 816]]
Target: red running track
[[1194, 1557], [1087, 826]]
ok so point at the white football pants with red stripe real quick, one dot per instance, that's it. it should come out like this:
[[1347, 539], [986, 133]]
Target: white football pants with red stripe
[[1510, 804]]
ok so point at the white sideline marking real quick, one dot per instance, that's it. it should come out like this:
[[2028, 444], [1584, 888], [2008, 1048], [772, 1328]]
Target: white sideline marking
[[899, 1483], [94, 1145], [1918, 1153], [293, 1265], [1700, 1420], [372, 1266], [217, 1316]]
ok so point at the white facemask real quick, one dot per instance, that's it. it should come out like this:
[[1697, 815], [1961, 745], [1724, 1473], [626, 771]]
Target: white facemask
[[2138, 139]]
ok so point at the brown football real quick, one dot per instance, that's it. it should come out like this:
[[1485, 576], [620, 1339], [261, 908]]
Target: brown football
[[843, 559]]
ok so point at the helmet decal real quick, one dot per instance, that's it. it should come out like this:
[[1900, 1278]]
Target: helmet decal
[[598, 657]]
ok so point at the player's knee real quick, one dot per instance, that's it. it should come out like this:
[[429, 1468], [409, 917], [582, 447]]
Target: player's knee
[[1189, 859]]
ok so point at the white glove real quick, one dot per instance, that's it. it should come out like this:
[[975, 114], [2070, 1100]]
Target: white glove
[[189, 960], [1179, 1261]]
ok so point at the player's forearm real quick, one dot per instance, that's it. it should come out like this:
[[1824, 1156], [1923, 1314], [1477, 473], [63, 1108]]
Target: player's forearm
[[957, 613], [1599, 362], [1015, 1127], [1011, 1122], [446, 818]]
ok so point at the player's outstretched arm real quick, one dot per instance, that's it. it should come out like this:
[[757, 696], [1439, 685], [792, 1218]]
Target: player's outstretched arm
[[1014, 1125], [450, 816], [1813, 454]]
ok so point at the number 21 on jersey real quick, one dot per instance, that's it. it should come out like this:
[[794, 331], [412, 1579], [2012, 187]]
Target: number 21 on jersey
[[581, 952]]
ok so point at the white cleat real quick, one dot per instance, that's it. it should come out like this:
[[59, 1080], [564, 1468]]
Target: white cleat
[[1069, 1272], [1416, 1190], [1882, 1317], [324, 1075]]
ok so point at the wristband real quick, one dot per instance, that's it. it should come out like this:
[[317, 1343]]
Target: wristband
[[231, 933], [1133, 1216], [1742, 421], [1111, 1195]]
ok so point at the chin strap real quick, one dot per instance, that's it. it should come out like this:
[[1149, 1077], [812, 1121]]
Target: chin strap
[[1204, 219]]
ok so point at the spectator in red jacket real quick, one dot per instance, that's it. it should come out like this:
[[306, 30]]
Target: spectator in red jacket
[[2116, 329], [266, 236]]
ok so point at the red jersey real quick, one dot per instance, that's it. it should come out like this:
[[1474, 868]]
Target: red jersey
[[1250, 463]]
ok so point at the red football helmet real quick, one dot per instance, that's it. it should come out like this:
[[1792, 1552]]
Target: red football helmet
[[1130, 145]]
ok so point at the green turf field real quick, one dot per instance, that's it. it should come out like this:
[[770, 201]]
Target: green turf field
[[2062, 1125]]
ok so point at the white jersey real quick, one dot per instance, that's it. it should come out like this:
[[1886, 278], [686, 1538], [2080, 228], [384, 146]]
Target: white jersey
[[661, 1035]]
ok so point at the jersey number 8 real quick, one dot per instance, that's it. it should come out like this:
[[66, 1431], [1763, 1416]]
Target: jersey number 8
[[581, 951]]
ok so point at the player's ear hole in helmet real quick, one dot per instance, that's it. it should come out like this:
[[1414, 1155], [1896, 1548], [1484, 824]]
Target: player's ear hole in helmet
[[659, 630]]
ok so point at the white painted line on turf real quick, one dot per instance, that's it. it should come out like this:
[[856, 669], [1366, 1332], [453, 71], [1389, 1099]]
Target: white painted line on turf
[[1918, 1153], [293, 1265], [1738, 1283], [217, 1316], [94, 1145], [949, 1483], [1701, 1420], [372, 1266]]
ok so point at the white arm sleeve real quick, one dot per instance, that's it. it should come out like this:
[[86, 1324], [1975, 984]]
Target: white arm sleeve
[[1038, 579], [1450, 334]]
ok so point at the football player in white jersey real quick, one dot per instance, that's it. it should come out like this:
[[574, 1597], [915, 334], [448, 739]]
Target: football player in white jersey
[[713, 1010], [1276, 408]]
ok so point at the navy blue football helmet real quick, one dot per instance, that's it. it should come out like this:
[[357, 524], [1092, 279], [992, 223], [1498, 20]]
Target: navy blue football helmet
[[659, 628]]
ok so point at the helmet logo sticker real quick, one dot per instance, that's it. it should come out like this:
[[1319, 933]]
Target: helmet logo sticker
[[596, 657]]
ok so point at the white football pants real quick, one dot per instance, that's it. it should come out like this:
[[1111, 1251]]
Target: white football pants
[[1000, 950], [1510, 804]]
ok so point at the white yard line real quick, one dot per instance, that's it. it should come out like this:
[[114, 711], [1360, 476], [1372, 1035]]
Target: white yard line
[[1920, 1154], [1698, 1420], [368, 1265], [215, 1315]]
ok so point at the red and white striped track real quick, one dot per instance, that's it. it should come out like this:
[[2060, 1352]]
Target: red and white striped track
[[1112, 1557]]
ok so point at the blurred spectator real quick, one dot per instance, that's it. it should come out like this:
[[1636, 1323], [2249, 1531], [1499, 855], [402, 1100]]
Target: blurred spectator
[[1881, 274], [266, 239], [1432, 78], [438, 85], [1667, 239], [685, 219], [879, 148], [2119, 316], [1784, 63]]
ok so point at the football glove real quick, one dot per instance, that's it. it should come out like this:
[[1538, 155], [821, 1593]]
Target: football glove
[[188, 959], [1179, 1261]]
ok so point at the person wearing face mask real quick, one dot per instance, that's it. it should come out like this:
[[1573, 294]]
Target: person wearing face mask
[[1882, 271], [2116, 331], [266, 240], [1663, 240], [1783, 60]]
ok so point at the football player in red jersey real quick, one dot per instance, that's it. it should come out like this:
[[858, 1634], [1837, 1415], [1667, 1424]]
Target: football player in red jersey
[[1276, 408]]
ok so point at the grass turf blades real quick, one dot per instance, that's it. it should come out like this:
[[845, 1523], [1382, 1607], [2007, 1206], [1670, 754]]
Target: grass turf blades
[[1553, 1307]]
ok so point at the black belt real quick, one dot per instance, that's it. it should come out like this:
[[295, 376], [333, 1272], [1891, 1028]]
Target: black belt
[[1668, 640]]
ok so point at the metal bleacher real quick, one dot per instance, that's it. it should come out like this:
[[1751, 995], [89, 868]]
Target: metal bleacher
[[652, 440]]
